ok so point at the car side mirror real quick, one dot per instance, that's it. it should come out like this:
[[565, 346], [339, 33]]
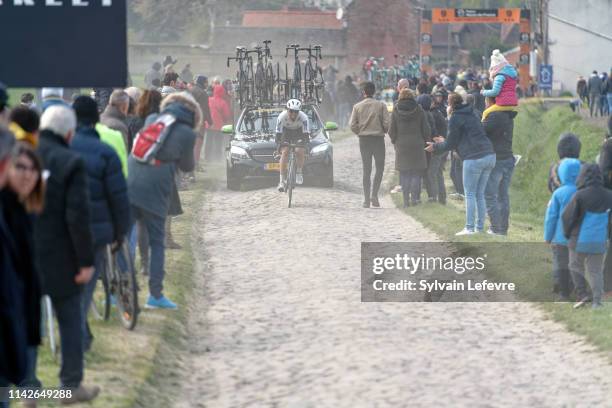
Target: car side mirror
[[329, 126], [228, 129]]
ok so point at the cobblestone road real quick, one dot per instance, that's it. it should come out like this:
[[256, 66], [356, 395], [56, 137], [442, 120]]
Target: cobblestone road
[[277, 318]]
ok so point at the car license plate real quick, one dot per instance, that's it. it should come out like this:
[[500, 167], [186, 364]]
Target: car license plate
[[272, 166]]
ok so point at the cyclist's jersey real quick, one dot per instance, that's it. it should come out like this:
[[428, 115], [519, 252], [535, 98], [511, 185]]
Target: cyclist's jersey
[[285, 123]]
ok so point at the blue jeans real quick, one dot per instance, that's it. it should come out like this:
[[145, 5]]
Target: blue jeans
[[609, 96], [410, 180], [155, 226], [497, 197], [475, 177]]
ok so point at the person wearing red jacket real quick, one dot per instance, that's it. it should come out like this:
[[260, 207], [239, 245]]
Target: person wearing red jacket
[[221, 116]]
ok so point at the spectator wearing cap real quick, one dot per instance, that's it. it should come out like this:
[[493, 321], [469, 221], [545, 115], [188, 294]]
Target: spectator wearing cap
[[63, 242], [115, 114], [52, 96], [108, 199]]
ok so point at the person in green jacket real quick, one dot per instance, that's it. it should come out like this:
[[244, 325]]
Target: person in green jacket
[[114, 139]]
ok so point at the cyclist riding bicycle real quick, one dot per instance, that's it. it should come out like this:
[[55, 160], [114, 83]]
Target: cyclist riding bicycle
[[292, 126]]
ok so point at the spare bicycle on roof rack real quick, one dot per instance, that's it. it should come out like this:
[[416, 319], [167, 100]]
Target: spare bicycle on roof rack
[[259, 84]]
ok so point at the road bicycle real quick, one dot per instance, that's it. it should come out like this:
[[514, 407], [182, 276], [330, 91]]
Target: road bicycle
[[50, 326], [313, 74], [291, 170], [119, 286], [296, 81], [241, 79]]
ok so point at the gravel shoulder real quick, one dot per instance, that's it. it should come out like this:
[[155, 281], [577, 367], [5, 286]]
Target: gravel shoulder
[[276, 317]]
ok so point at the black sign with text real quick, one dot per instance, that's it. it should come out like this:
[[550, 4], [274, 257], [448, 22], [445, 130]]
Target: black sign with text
[[63, 43]]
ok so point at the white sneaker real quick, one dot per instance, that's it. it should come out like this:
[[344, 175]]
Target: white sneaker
[[465, 231], [281, 187], [299, 179]]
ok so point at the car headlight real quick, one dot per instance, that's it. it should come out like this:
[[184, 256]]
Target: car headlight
[[319, 149], [238, 153]]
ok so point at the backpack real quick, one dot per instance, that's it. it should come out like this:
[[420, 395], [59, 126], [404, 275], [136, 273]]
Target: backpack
[[150, 140]]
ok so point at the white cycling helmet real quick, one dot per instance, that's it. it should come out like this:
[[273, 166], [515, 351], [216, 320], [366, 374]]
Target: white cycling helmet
[[294, 105]]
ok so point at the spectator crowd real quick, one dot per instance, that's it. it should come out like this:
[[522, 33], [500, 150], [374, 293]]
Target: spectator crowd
[[70, 189]]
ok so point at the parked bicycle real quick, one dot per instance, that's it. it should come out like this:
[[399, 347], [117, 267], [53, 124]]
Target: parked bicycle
[[119, 286]]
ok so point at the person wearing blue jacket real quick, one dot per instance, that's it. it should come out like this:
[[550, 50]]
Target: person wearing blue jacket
[[467, 136], [568, 171], [585, 225], [108, 197]]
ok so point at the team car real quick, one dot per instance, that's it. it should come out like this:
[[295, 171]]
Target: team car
[[251, 152]]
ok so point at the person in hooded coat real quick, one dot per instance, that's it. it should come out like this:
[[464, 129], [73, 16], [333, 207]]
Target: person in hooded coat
[[221, 115], [409, 132], [553, 226], [585, 225], [151, 187]]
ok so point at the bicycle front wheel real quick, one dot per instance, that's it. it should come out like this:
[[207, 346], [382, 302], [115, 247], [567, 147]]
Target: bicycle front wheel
[[127, 287], [101, 302], [291, 178]]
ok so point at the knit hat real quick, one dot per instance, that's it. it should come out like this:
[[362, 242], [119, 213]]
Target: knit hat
[[49, 92], [201, 79], [462, 92], [86, 110], [498, 61]]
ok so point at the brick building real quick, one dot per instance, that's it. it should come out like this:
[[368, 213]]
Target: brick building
[[381, 28]]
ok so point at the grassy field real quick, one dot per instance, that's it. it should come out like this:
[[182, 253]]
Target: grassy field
[[122, 362], [535, 138]]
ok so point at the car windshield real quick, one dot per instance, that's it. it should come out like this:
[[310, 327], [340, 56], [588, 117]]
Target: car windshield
[[263, 121]]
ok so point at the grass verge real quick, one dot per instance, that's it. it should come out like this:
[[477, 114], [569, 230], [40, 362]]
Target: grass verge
[[125, 363], [535, 139]]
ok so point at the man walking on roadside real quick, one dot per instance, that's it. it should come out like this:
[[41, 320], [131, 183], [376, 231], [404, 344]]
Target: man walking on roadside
[[370, 122]]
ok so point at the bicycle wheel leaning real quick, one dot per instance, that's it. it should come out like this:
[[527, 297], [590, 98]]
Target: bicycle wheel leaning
[[51, 332], [126, 288], [101, 302]]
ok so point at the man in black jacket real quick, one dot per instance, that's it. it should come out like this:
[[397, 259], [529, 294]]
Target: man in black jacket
[[499, 127], [108, 200], [63, 242]]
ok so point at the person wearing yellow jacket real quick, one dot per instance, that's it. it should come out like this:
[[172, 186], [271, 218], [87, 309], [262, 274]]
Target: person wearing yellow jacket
[[114, 139]]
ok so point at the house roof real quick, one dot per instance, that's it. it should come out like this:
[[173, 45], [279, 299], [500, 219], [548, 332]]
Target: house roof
[[289, 18]]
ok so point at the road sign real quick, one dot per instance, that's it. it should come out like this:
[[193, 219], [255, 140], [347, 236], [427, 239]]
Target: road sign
[[546, 77], [63, 43]]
